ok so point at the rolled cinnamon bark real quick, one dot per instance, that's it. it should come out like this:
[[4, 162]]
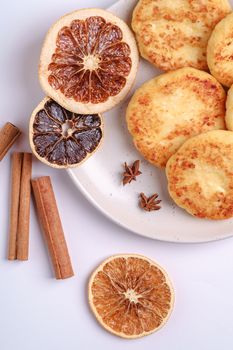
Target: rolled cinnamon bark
[[24, 208], [8, 135], [50, 220], [16, 168]]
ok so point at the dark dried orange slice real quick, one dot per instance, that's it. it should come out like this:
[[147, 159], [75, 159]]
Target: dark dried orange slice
[[130, 295], [61, 138], [88, 61]]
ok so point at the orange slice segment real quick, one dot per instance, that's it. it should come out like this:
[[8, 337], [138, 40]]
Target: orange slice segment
[[130, 295], [88, 61]]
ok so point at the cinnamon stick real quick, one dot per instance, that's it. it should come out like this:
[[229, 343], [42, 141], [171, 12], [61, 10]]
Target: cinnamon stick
[[16, 160], [52, 226], [8, 135], [24, 208]]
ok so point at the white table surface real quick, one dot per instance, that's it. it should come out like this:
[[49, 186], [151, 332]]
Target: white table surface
[[38, 312]]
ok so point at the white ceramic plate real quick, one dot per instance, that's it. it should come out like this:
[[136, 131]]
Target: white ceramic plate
[[99, 179]]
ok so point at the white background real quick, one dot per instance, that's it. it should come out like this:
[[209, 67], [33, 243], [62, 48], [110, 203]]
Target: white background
[[38, 312]]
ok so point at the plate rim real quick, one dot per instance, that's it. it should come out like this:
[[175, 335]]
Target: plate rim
[[91, 200]]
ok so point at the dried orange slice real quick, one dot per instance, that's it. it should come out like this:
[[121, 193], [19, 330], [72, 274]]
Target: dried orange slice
[[88, 61], [63, 139], [130, 295]]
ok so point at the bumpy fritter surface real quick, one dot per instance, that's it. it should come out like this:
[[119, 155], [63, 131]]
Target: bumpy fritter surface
[[165, 111], [220, 51], [229, 110], [200, 175], [174, 34]]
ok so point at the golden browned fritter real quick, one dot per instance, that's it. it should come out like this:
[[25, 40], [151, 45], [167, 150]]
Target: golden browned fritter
[[200, 175], [229, 109], [174, 34], [167, 110], [220, 51]]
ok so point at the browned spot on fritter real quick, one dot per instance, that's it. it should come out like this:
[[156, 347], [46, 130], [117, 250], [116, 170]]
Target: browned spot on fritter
[[144, 100]]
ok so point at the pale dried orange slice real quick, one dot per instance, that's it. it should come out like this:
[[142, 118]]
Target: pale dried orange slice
[[88, 61], [63, 139], [130, 295]]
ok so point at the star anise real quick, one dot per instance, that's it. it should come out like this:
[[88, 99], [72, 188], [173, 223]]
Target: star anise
[[149, 203], [131, 172]]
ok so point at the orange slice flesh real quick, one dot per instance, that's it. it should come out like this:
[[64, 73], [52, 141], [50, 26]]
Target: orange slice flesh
[[130, 295], [88, 61]]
